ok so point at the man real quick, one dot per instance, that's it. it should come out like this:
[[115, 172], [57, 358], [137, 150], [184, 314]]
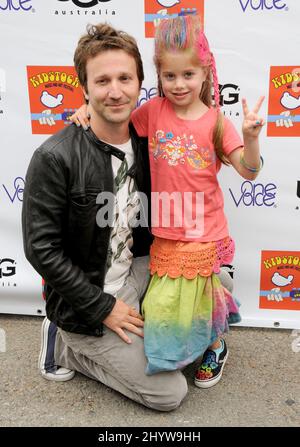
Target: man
[[95, 273]]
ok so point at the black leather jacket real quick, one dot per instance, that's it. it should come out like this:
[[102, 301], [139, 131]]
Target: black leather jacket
[[62, 240]]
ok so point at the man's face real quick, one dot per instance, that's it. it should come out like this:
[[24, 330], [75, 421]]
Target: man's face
[[112, 86]]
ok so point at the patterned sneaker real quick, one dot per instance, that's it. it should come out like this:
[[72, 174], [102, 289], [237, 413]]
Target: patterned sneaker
[[46, 363], [210, 371]]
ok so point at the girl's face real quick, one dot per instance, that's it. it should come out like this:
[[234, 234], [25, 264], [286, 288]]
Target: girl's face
[[182, 80]]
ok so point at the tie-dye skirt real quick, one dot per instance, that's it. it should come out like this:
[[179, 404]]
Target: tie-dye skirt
[[186, 308]]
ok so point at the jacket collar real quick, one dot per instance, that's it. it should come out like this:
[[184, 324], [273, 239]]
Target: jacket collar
[[112, 150], [105, 147]]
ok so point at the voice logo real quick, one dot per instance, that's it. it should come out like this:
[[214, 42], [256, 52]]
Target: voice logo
[[255, 194], [15, 192], [263, 5], [2, 86], [16, 5], [146, 94]]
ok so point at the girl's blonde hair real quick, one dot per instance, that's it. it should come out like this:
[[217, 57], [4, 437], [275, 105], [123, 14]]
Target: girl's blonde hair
[[184, 33]]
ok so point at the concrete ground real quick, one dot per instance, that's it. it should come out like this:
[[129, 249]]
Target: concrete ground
[[260, 387]]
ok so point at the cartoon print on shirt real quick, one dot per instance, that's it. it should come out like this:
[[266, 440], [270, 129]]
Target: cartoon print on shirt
[[177, 150]]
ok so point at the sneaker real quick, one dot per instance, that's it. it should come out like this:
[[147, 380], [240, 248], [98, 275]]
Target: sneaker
[[210, 371], [46, 363]]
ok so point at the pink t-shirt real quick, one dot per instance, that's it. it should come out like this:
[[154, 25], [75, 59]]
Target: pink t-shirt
[[187, 201]]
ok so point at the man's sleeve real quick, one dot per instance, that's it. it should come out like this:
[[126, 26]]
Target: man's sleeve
[[45, 206]]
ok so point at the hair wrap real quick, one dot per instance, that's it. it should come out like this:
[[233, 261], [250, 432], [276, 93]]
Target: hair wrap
[[207, 58], [215, 82], [203, 50]]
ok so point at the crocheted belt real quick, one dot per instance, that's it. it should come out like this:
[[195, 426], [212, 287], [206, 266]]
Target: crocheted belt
[[189, 259]]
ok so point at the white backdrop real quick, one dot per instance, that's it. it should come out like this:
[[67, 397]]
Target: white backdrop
[[255, 42]]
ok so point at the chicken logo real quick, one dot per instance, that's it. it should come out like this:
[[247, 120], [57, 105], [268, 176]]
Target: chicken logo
[[168, 3], [51, 101], [284, 102], [290, 102], [156, 10], [54, 94], [280, 280]]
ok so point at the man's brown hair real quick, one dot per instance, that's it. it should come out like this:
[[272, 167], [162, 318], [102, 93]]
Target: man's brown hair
[[100, 38]]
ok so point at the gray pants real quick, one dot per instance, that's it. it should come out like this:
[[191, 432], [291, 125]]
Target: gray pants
[[120, 366]]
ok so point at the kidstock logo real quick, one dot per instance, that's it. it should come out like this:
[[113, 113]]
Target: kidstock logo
[[54, 94], [255, 194], [263, 5], [279, 280], [16, 5], [284, 101], [157, 10]]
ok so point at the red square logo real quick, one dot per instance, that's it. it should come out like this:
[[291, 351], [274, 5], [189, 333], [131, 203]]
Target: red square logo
[[156, 10], [54, 94]]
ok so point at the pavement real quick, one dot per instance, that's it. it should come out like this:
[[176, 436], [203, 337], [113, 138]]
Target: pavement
[[260, 387]]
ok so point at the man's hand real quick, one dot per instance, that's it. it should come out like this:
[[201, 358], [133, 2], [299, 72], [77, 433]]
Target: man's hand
[[123, 317]]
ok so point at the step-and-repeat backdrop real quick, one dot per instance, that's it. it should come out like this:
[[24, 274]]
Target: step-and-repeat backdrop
[[256, 45]]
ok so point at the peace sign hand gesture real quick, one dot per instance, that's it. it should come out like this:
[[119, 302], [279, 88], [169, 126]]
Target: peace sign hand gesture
[[252, 123]]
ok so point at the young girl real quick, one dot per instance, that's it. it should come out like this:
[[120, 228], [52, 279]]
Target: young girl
[[186, 308]]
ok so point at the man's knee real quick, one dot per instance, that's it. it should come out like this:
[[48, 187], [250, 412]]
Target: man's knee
[[171, 394], [226, 279]]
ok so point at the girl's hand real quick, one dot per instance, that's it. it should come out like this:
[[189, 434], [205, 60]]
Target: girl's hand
[[252, 123], [81, 117]]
